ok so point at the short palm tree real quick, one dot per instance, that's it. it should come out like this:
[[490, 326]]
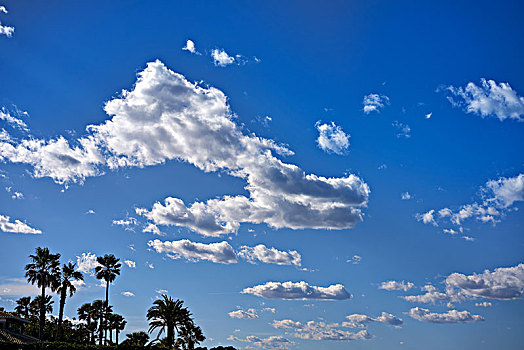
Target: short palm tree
[[108, 268], [189, 335], [169, 314], [69, 274], [22, 307], [86, 312], [136, 338], [115, 322], [43, 270]]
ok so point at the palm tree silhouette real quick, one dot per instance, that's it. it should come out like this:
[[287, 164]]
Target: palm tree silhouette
[[22, 307], [167, 313], [117, 323], [107, 270], [68, 275], [87, 313], [189, 335], [45, 272]]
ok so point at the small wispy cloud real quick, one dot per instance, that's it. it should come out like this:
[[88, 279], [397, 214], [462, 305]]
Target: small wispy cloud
[[374, 103]]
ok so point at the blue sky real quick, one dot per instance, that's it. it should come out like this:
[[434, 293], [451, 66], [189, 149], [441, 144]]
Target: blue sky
[[342, 172]]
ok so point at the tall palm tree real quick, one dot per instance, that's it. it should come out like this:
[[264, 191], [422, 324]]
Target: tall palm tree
[[167, 313], [107, 270], [45, 272], [69, 274], [22, 307]]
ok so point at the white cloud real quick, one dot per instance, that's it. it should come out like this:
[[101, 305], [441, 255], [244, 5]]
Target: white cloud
[[403, 130], [86, 263], [269, 255], [270, 309], [272, 342], [130, 263], [450, 231], [332, 139], [488, 99], [313, 330], [405, 196], [374, 103], [498, 197], [90, 212], [17, 226], [126, 223], [427, 218], [13, 121], [361, 321], [484, 304], [431, 296], [6, 30], [356, 259], [395, 285], [161, 291], [241, 314], [298, 291], [452, 316], [190, 46], [55, 158], [128, 294], [503, 283], [389, 319], [215, 252], [165, 117], [3, 9], [17, 195], [221, 58], [18, 287], [429, 115], [153, 229]]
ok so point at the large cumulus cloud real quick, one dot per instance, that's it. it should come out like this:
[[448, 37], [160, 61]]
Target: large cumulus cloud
[[166, 117]]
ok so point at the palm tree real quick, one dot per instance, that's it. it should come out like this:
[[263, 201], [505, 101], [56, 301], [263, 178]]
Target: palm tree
[[120, 327], [107, 270], [167, 313], [22, 307], [68, 275], [136, 338], [45, 272], [86, 312], [115, 323], [189, 335]]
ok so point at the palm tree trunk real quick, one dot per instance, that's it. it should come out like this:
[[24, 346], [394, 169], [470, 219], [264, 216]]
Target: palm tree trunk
[[170, 336], [100, 333], [63, 296], [107, 311], [42, 314]]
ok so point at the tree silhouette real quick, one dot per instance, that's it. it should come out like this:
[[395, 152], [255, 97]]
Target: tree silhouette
[[167, 313], [107, 270], [68, 275], [87, 313], [45, 272], [22, 307], [117, 323], [189, 335], [136, 338]]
